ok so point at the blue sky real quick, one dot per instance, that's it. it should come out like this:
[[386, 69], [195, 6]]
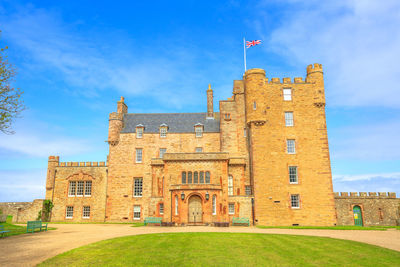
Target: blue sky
[[76, 58]]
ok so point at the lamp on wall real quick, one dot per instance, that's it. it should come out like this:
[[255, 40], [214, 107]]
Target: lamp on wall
[[183, 196], [207, 195]]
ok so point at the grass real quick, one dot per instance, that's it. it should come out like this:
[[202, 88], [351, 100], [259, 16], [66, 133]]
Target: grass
[[16, 229], [225, 249], [340, 227]]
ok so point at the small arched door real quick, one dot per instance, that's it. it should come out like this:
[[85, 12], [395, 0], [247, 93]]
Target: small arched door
[[358, 220], [195, 209]]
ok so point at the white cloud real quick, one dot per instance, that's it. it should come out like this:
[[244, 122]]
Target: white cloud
[[366, 177], [358, 43]]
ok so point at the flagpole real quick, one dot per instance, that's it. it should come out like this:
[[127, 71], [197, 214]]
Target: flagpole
[[244, 49]]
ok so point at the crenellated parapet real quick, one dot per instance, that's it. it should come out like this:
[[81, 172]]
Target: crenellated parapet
[[82, 164], [365, 195]]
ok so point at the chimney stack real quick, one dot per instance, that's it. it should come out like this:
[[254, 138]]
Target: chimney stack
[[210, 105]]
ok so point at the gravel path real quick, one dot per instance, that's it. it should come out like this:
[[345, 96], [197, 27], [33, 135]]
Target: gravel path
[[31, 249]]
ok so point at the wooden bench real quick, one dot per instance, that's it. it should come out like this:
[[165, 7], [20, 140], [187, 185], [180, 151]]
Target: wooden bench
[[2, 231], [156, 220], [32, 225], [240, 221]]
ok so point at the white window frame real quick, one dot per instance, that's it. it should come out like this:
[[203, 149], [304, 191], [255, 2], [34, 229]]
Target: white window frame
[[163, 131], [199, 149], [289, 122], [86, 212], [287, 94], [139, 132], [230, 185], [176, 205], [214, 205], [293, 200], [230, 207], [247, 190], [162, 152], [199, 131], [88, 188], [137, 209], [80, 188], [138, 187], [72, 184], [161, 209], [291, 175], [69, 212], [291, 144], [139, 155]]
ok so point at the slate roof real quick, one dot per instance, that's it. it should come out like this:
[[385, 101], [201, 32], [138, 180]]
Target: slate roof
[[177, 122]]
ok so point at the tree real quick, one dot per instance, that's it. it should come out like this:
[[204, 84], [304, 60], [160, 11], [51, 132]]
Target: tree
[[11, 104]]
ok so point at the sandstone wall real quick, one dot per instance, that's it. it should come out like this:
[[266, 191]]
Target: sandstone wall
[[376, 208], [22, 211]]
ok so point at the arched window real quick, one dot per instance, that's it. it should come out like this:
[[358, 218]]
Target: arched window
[[176, 205], [202, 177], [230, 185], [214, 205], [195, 177], [207, 177], [183, 177], [189, 177]]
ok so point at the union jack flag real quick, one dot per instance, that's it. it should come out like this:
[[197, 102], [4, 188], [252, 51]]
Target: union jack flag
[[252, 43]]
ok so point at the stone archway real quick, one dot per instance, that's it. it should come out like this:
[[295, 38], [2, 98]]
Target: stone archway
[[195, 209]]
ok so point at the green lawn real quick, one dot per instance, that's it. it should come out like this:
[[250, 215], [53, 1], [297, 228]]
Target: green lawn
[[226, 249], [16, 229], [343, 227]]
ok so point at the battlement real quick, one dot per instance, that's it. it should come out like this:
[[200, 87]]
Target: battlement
[[365, 195], [82, 164], [54, 158], [314, 68]]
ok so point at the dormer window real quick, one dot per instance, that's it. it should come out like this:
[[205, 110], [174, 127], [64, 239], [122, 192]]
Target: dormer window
[[139, 131], [163, 130], [198, 128]]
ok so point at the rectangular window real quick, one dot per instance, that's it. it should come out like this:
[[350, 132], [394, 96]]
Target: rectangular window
[[230, 185], [136, 212], [88, 188], [86, 212], [195, 177], [199, 131], [202, 177], [293, 175], [244, 132], [139, 155], [214, 205], [138, 187], [295, 201], [189, 177], [79, 189], [289, 118], [139, 132], [163, 132], [162, 152], [291, 146], [231, 208], [254, 105], [248, 190], [183, 177], [72, 189], [176, 205], [69, 212], [207, 177], [199, 149], [287, 94], [227, 116], [161, 208]]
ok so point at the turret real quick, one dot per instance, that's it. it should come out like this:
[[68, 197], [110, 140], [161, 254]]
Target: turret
[[210, 102], [316, 76], [116, 122], [51, 173], [254, 82]]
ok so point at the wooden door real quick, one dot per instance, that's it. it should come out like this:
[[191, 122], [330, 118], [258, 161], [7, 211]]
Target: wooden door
[[358, 220], [195, 210]]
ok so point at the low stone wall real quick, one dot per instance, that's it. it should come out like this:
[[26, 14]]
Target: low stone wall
[[22, 211], [377, 208]]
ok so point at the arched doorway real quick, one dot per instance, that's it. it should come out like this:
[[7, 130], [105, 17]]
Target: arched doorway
[[358, 220], [195, 209]]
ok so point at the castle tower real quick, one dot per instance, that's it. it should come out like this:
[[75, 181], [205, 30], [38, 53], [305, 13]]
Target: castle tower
[[288, 149], [115, 122], [51, 174], [210, 102]]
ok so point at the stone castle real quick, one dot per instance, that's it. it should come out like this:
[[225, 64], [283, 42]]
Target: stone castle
[[263, 156]]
